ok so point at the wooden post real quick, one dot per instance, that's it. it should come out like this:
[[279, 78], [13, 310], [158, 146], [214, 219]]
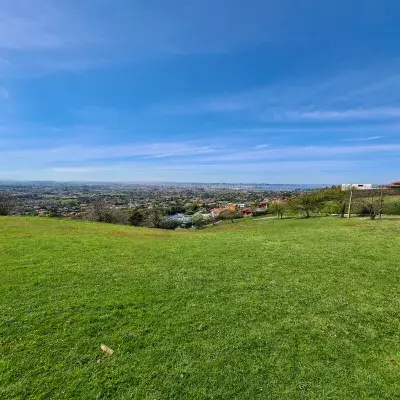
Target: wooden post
[[381, 203], [351, 198]]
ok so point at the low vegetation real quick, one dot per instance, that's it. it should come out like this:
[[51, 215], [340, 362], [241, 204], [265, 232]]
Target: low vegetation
[[256, 309]]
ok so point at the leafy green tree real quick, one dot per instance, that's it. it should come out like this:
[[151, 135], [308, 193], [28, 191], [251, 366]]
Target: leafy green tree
[[53, 213], [136, 218], [335, 198], [199, 221], [153, 218], [175, 209], [190, 208], [307, 203], [279, 208]]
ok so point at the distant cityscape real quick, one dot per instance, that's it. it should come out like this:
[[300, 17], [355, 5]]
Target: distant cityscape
[[167, 205]]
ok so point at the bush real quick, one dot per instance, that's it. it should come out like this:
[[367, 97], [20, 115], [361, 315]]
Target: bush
[[199, 221], [259, 213], [101, 212], [392, 208], [169, 224], [136, 218], [229, 214]]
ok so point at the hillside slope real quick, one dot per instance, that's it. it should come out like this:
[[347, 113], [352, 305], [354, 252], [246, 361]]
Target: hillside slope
[[263, 309]]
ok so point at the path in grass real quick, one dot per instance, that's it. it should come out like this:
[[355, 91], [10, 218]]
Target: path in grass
[[251, 310]]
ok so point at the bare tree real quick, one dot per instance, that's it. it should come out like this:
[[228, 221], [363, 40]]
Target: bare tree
[[100, 211], [371, 206], [6, 204]]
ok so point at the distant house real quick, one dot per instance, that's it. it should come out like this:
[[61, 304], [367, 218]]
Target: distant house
[[357, 186], [246, 212], [394, 185], [216, 211]]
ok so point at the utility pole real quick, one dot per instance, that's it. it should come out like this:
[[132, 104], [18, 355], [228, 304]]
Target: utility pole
[[351, 198], [381, 203]]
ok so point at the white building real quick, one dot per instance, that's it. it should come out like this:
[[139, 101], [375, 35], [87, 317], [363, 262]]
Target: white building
[[357, 186]]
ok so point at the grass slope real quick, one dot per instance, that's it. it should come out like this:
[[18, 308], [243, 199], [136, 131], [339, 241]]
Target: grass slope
[[263, 309]]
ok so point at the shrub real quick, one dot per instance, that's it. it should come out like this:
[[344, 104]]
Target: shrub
[[259, 213], [392, 208], [229, 214], [200, 221], [136, 218], [169, 224], [101, 212]]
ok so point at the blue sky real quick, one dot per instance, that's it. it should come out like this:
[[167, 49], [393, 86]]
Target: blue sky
[[271, 91]]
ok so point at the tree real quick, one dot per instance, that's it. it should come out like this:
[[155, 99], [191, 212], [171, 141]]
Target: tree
[[136, 218], [306, 203], [370, 206], [6, 204], [190, 208], [101, 212], [229, 214], [53, 213], [174, 209], [336, 196], [279, 208], [152, 218], [199, 221]]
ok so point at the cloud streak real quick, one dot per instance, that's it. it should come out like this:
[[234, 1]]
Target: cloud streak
[[351, 114], [76, 153], [188, 153]]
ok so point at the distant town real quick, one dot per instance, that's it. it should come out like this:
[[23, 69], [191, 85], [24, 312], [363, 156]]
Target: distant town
[[166, 205]]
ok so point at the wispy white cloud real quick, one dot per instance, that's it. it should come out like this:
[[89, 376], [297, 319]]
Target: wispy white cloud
[[351, 114], [363, 139], [182, 154], [365, 94], [324, 165], [79, 153], [302, 152]]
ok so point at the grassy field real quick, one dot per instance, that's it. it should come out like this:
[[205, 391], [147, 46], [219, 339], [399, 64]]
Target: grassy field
[[262, 309]]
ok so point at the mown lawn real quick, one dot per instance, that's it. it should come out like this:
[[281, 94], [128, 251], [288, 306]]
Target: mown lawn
[[263, 309]]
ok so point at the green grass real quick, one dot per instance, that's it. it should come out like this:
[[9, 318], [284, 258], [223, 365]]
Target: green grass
[[262, 309]]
